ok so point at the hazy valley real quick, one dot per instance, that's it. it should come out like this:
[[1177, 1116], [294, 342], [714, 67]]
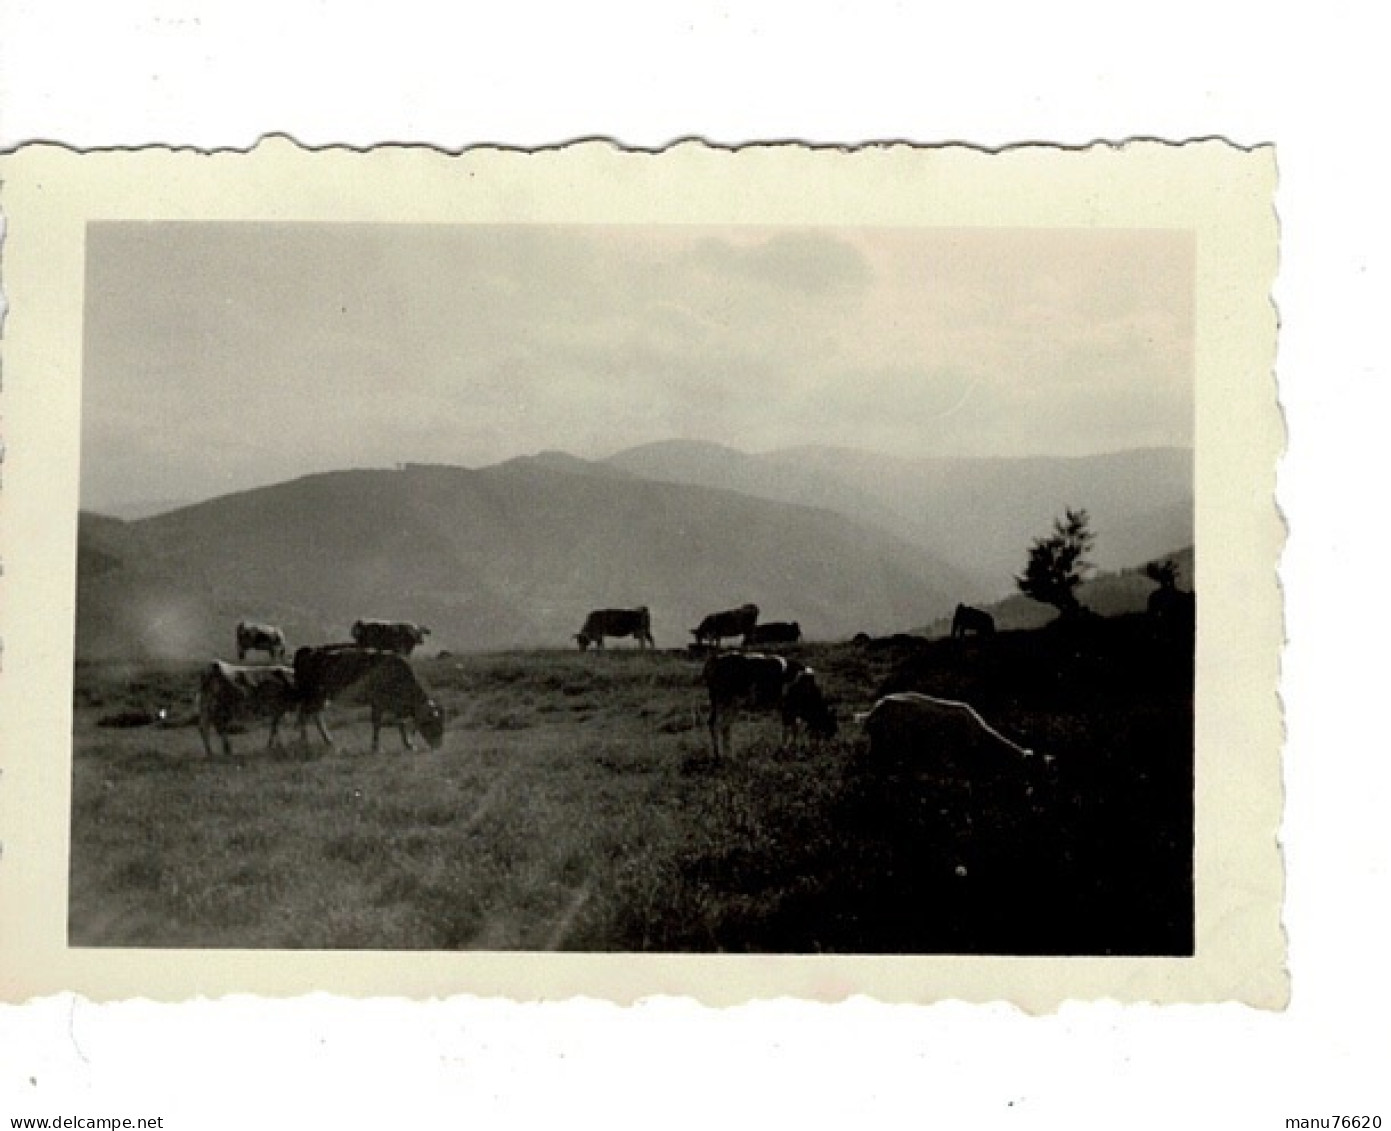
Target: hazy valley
[[515, 554]]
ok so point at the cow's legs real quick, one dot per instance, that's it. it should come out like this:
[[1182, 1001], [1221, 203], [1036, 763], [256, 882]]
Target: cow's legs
[[211, 720], [721, 724], [714, 723], [202, 704], [318, 722], [789, 733]]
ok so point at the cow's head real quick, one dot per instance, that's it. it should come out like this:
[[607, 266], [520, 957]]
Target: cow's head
[[582, 640], [809, 703]]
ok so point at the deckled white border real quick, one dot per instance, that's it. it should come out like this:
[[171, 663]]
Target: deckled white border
[[1221, 192]]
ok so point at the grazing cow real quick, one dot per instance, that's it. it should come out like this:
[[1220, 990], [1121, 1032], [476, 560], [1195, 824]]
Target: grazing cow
[[968, 620], [764, 683], [384, 680], [389, 635], [616, 622], [229, 693], [774, 632], [940, 735], [731, 622], [265, 638]]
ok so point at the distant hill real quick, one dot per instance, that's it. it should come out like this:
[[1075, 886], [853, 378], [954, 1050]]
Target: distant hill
[[980, 515], [143, 509], [513, 555], [131, 602]]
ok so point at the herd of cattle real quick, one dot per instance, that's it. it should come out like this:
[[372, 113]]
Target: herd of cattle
[[741, 624], [374, 670]]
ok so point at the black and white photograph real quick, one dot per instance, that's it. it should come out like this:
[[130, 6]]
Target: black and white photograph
[[443, 342], [665, 588]]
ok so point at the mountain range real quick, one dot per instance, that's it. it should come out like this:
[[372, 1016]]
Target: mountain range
[[977, 514], [515, 554]]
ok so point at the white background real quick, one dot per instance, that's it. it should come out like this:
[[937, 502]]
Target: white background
[[526, 74]]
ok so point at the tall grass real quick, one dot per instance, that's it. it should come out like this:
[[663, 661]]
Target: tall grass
[[575, 805]]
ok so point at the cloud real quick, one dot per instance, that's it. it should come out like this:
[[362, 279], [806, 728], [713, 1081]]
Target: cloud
[[249, 349], [807, 262]]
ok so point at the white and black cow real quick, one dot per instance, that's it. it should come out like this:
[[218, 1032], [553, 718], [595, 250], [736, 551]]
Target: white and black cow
[[253, 637], [757, 682], [389, 635], [967, 620], [942, 737], [232, 693], [721, 626], [774, 632], [384, 680], [616, 622]]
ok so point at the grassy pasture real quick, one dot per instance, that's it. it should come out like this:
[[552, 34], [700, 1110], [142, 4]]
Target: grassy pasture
[[574, 805]]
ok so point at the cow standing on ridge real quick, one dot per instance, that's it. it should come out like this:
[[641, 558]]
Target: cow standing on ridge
[[967, 620], [389, 635], [616, 622], [385, 681], [731, 622], [764, 683], [252, 637]]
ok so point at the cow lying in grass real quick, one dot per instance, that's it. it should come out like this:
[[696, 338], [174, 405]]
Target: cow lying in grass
[[230, 694], [774, 632], [757, 682], [385, 681]]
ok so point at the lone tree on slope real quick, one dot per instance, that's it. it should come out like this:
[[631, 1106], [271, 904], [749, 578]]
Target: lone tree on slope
[[1058, 563]]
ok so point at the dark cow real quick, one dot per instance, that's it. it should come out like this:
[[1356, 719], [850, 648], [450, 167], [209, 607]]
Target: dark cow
[[384, 680], [1172, 605], [942, 736], [231, 693], [252, 637], [616, 622], [731, 622], [764, 683], [968, 620], [774, 632], [389, 635]]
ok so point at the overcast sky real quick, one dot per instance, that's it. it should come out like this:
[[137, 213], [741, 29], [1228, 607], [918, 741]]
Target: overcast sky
[[224, 356]]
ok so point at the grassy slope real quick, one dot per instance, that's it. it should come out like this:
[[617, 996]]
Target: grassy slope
[[574, 806]]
